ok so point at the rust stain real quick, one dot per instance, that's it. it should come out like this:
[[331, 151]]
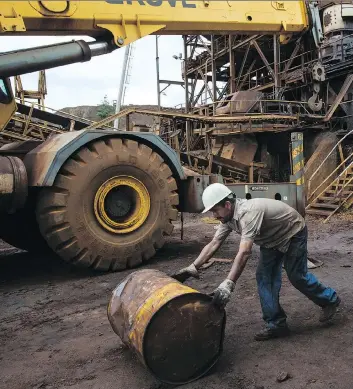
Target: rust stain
[[176, 332]]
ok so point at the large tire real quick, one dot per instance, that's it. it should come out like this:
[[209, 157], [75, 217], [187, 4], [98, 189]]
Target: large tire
[[68, 219]]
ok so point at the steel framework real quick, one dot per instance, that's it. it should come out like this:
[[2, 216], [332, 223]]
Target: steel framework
[[308, 77]]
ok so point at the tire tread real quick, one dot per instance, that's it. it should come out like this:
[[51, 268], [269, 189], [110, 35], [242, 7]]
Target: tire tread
[[52, 208]]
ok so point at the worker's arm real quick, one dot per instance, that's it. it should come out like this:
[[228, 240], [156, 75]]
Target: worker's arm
[[240, 260], [207, 253], [209, 250], [222, 294], [250, 225]]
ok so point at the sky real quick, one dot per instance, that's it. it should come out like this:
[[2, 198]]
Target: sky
[[87, 83]]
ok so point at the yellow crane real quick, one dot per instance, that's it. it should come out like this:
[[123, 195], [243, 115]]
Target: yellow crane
[[125, 21]]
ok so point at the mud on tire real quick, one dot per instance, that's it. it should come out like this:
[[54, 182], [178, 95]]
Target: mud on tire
[[66, 214]]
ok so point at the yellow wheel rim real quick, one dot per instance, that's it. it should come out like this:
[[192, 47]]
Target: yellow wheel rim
[[122, 204]]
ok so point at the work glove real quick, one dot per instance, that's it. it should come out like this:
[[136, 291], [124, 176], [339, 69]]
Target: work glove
[[221, 295], [185, 273]]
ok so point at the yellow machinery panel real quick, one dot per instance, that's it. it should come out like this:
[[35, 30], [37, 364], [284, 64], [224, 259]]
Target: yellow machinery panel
[[130, 20], [7, 102]]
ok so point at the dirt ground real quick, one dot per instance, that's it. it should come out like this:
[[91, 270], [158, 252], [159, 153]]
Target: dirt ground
[[55, 333]]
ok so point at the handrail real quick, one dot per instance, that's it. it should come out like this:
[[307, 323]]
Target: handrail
[[57, 111], [330, 184], [322, 163], [338, 194], [341, 202]]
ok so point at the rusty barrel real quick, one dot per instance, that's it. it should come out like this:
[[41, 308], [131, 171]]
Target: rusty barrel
[[175, 330]]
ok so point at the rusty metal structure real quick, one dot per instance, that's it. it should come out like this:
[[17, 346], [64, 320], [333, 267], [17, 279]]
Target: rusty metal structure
[[33, 120], [28, 95], [176, 331], [301, 84]]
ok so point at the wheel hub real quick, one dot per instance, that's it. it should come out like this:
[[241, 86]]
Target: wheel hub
[[122, 204]]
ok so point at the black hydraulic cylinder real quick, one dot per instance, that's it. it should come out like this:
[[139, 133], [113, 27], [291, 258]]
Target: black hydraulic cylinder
[[19, 62]]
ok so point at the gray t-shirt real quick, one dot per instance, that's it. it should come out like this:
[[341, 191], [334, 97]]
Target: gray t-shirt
[[269, 223]]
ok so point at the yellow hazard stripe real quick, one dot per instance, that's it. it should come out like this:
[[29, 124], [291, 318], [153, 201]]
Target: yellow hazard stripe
[[152, 304], [300, 181], [298, 166], [297, 150]]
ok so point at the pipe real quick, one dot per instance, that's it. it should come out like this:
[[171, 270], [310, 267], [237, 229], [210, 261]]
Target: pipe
[[19, 62]]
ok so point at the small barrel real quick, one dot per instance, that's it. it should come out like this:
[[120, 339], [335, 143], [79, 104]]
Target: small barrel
[[175, 330]]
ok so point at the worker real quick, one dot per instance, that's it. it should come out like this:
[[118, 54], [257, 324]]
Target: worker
[[281, 233]]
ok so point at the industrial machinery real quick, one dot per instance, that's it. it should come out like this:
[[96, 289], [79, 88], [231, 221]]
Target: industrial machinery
[[308, 79], [106, 199]]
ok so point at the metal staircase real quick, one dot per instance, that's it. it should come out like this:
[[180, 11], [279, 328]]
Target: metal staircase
[[339, 193], [336, 190]]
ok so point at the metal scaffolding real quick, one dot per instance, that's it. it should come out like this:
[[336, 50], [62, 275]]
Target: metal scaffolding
[[124, 80], [233, 75]]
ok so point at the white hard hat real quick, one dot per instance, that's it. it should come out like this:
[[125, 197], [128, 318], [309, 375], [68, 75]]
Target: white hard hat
[[213, 194]]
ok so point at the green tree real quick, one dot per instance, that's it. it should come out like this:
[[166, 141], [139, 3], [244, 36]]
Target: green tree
[[105, 108]]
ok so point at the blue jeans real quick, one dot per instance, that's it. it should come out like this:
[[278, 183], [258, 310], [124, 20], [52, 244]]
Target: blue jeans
[[269, 279]]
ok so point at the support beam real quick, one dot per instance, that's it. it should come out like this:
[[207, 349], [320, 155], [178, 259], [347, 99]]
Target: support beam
[[224, 91], [123, 82], [170, 82], [193, 48], [346, 85], [205, 45], [187, 105], [213, 69], [276, 61], [198, 95], [157, 74], [242, 66], [231, 67], [293, 55], [246, 41], [263, 57], [192, 93], [245, 75], [205, 80]]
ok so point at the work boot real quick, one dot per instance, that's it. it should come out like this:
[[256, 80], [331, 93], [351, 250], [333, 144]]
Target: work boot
[[271, 333], [329, 311]]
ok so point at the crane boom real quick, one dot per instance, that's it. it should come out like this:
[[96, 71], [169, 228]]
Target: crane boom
[[46, 57], [125, 21]]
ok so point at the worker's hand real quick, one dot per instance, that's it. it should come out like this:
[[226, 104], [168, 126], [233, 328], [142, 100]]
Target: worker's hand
[[185, 273], [221, 295]]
